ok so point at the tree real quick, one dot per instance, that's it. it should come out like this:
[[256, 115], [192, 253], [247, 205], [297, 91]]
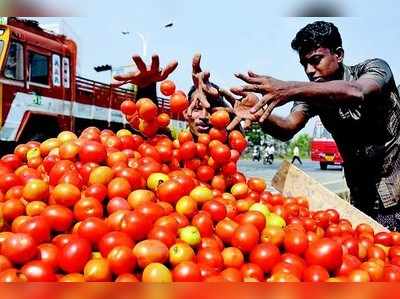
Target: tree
[[302, 141]]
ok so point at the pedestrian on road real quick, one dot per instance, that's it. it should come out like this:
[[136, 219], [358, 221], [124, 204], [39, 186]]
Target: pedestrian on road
[[296, 155]]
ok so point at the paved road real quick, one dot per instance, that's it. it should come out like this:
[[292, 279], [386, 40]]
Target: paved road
[[332, 178]]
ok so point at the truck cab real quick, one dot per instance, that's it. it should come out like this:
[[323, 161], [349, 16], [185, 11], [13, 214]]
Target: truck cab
[[40, 91], [323, 147]]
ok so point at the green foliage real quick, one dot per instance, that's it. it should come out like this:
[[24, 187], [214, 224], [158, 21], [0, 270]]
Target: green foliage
[[303, 143]]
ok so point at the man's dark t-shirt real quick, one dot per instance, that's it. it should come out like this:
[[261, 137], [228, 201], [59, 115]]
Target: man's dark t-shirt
[[368, 137]]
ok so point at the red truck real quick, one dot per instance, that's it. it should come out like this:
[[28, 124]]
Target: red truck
[[323, 147], [40, 92]]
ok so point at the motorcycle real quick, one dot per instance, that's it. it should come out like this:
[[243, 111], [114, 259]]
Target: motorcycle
[[268, 159]]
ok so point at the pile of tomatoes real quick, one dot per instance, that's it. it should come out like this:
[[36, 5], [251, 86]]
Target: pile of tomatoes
[[108, 206]]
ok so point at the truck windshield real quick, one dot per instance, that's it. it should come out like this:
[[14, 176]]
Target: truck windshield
[[321, 132]]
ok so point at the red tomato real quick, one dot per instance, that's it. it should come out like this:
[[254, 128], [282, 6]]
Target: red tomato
[[315, 273], [19, 248], [121, 260], [114, 239], [186, 271], [136, 225], [326, 253], [349, 263], [205, 173], [92, 151], [245, 237], [295, 242], [59, 217], [266, 256], [74, 255], [48, 253], [216, 210], [220, 119], [178, 102], [167, 87], [128, 107], [210, 257], [38, 271], [253, 217], [203, 221], [220, 153], [150, 251], [88, 207], [251, 270], [93, 229], [225, 229], [150, 210], [37, 227], [163, 234]]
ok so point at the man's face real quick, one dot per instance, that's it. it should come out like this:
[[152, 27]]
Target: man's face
[[199, 120], [321, 64]]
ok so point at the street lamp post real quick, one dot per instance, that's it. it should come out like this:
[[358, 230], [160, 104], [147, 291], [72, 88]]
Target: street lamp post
[[103, 68]]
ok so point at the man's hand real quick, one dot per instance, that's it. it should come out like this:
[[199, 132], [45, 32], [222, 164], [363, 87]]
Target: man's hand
[[274, 93], [145, 75], [203, 87], [241, 107]]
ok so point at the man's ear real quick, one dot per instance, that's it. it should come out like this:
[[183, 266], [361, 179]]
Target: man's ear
[[339, 52]]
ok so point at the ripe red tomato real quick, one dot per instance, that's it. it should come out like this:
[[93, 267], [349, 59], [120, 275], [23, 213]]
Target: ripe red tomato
[[170, 191], [136, 225], [114, 239], [315, 273], [167, 87], [245, 237], [326, 253], [210, 257], [233, 257], [220, 119], [220, 153], [37, 227], [121, 260], [216, 210], [48, 253], [253, 217], [162, 234], [93, 229], [88, 207], [92, 151], [295, 242], [150, 251], [178, 102], [38, 271], [225, 229], [186, 271], [74, 255], [251, 270], [203, 221], [19, 248], [265, 255], [59, 217], [128, 107]]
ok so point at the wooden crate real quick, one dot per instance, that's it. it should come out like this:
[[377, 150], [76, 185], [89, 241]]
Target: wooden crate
[[291, 181]]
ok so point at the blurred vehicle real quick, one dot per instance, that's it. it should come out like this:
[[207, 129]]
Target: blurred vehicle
[[40, 91], [323, 147]]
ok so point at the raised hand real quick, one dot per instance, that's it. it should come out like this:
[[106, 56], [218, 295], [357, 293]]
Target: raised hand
[[241, 107], [145, 75], [273, 91], [204, 90]]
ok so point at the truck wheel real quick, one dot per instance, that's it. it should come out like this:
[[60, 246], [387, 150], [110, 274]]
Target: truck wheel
[[323, 165]]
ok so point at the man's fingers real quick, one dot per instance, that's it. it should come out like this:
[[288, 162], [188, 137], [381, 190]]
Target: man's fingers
[[257, 106], [203, 101], [254, 75], [247, 124], [168, 69], [191, 105], [234, 123], [196, 63], [247, 78], [139, 63], [155, 63], [239, 92], [126, 76], [252, 88], [230, 97], [268, 111]]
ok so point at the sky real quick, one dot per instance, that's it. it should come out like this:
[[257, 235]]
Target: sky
[[232, 36]]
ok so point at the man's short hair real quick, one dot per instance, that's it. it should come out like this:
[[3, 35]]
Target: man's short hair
[[315, 35]]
